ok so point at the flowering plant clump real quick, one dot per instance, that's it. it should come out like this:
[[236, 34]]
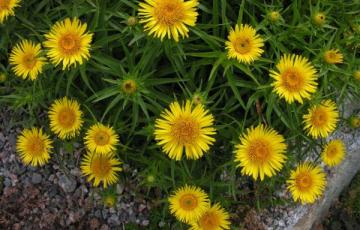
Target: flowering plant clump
[[202, 97]]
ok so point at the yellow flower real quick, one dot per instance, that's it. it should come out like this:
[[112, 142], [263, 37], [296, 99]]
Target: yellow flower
[[321, 119], [333, 56], [129, 86], [356, 74], [244, 44], [168, 18], [295, 78], [7, 8], [101, 139], [188, 203], [260, 152], [65, 118], [100, 168], [274, 16], [26, 60], [182, 127], [306, 183], [68, 42], [333, 153], [34, 147], [3, 77], [214, 218], [319, 19]]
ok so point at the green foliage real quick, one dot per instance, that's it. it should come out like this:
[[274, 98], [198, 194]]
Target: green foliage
[[238, 95]]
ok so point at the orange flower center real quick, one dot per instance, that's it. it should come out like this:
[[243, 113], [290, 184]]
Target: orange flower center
[[67, 117], [259, 151], [292, 80], [304, 181], [100, 166], [29, 60], [102, 138], [35, 146], [4, 4], [332, 151], [319, 117], [209, 221], [169, 12], [188, 202], [70, 44], [185, 130], [242, 45]]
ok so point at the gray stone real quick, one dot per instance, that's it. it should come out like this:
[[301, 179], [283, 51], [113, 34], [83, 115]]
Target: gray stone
[[67, 184], [7, 182], [114, 220], [36, 178], [104, 213]]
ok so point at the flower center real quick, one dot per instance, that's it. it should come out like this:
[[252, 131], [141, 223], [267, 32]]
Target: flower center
[[100, 166], [36, 146], [129, 86], [188, 202], [319, 117], [4, 4], [303, 181], [169, 12], [259, 151], [70, 43], [66, 117], [242, 45], [29, 61], [332, 151], [209, 221], [292, 80], [102, 138], [185, 130]]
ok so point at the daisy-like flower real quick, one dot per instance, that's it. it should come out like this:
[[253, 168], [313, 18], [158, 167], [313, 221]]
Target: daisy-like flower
[[260, 152], [188, 203], [182, 127], [333, 153], [129, 86], [7, 9], [27, 60], [306, 183], [319, 19], [65, 118], [356, 75], [68, 43], [168, 18], [100, 168], [214, 218], [101, 139], [333, 56], [295, 78], [34, 147], [321, 119], [244, 44]]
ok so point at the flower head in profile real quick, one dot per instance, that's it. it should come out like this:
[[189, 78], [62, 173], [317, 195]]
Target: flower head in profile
[[244, 44], [306, 183], [214, 218], [34, 147], [27, 60], [7, 9], [164, 18], [100, 168], [65, 118], [188, 203], [295, 78], [68, 43], [185, 128], [101, 139], [319, 18], [321, 119], [333, 153], [261, 152], [333, 56]]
